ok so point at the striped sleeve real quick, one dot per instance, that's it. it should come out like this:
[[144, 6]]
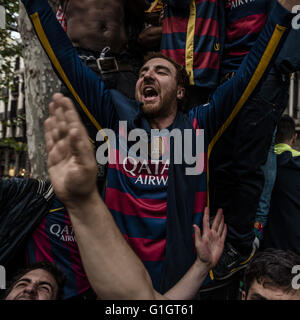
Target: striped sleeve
[[229, 98]]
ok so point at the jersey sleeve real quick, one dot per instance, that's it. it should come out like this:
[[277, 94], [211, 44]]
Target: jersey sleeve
[[230, 97], [85, 86]]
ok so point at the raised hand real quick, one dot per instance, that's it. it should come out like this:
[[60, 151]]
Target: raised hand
[[71, 161], [210, 242]]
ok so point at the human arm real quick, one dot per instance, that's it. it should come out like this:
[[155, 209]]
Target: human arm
[[85, 86], [209, 245], [72, 169], [229, 98], [23, 205], [150, 37], [113, 269]]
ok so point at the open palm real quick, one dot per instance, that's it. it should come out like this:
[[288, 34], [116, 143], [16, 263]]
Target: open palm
[[72, 173], [210, 242]]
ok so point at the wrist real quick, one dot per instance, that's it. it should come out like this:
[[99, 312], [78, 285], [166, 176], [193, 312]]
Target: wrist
[[203, 265], [80, 203]]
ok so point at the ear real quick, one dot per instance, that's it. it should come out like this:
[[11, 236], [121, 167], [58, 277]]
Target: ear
[[293, 140], [243, 295], [180, 92]]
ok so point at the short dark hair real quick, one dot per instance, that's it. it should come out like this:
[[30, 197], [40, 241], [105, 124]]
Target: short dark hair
[[271, 268], [286, 129], [51, 268], [181, 76]]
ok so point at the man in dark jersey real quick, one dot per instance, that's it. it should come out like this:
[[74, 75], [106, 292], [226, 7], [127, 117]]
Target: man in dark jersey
[[157, 203], [114, 271], [40, 281], [35, 226], [282, 229], [237, 180], [105, 34]]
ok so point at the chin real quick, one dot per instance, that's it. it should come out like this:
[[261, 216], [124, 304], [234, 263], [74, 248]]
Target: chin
[[151, 110]]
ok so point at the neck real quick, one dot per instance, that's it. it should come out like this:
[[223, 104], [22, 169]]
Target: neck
[[165, 119], [288, 142], [162, 122]]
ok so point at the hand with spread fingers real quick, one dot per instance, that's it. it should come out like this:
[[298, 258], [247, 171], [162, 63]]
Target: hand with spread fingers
[[71, 161], [210, 242]]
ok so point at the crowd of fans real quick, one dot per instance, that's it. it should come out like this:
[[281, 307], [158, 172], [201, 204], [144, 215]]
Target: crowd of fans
[[221, 66]]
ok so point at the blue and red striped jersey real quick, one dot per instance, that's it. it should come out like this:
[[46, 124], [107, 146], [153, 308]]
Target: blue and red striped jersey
[[54, 241], [191, 37], [136, 193], [244, 22]]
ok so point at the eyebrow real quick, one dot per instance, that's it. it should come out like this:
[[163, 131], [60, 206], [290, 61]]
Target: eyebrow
[[257, 296], [23, 279], [39, 283], [145, 68]]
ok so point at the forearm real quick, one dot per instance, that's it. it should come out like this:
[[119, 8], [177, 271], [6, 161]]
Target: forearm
[[150, 37], [113, 269], [188, 286]]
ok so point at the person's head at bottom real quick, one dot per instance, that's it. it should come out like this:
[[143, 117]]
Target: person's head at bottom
[[40, 281], [269, 276]]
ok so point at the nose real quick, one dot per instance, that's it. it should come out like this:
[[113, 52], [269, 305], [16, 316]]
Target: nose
[[149, 75], [30, 288]]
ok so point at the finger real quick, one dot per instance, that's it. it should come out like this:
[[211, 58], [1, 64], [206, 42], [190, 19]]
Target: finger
[[81, 148], [61, 106], [71, 115], [74, 122], [48, 141], [53, 105], [57, 97], [197, 233], [52, 124], [48, 124], [221, 226], [61, 123], [56, 107], [224, 233], [206, 226], [217, 220], [57, 154], [67, 104]]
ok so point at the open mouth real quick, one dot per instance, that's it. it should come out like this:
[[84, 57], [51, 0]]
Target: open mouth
[[149, 94]]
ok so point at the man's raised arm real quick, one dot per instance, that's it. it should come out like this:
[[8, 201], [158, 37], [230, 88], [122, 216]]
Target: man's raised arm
[[113, 269], [85, 86], [230, 97]]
